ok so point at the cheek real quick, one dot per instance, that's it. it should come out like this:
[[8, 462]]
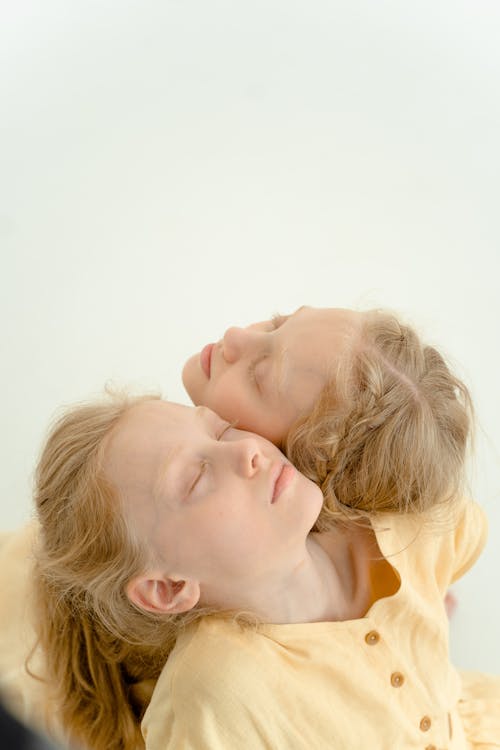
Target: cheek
[[230, 399], [236, 402], [304, 392], [265, 421], [248, 413], [229, 530], [274, 428]]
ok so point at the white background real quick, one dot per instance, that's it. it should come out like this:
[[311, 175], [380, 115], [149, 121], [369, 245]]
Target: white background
[[170, 167]]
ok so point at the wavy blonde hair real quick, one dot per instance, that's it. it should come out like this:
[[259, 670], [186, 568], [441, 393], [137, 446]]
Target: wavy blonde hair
[[389, 433], [102, 654], [390, 430]]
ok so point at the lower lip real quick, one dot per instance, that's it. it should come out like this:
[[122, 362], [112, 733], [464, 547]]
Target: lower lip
[[283, 481], [206, 359]]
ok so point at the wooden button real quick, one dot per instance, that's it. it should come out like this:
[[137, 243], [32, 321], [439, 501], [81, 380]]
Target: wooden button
[[397, 679], [372, 638], [425, 724], [431, 747]]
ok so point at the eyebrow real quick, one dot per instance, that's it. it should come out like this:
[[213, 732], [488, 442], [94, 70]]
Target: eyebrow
[[180, 485], [281, 362]]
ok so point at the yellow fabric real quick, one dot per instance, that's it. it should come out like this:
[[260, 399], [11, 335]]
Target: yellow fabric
[[25, 695], [330, 684]]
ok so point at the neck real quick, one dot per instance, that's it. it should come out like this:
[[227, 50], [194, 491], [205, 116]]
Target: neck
[[321, 585]]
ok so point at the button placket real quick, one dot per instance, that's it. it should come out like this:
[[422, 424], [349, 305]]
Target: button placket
[[372, 638], [397, 680]]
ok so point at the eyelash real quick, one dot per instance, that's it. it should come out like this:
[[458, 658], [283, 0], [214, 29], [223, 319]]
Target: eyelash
[[251, 372], [204, 463], [200, 474], [277, 321]]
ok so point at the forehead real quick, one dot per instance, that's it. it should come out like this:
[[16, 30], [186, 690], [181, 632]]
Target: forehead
[[152, 409], [340, 316], [147, 414], [164, 417], [321, 331], [146, 441], [146, 428]]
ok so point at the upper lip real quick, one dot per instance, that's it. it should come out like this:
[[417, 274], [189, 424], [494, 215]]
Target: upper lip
[[212, 357], [215, 350]]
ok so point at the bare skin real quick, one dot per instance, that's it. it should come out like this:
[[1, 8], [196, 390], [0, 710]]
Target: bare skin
[[228, 520], [265, 376]]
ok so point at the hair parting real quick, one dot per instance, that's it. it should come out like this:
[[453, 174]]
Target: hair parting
[[390, 430]]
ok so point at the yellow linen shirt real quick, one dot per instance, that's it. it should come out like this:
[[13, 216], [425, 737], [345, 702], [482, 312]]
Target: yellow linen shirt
[[381, 682]]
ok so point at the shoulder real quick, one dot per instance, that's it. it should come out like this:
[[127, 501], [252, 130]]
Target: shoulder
[[443, 544], [470, 535], [212, 690], [17, 545], [16, 549], [214, 657]]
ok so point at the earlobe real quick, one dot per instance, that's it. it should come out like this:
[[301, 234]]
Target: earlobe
[[161, 595]]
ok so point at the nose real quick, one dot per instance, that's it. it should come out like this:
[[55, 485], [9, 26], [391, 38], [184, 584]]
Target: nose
[[237, 342], [247, 457]]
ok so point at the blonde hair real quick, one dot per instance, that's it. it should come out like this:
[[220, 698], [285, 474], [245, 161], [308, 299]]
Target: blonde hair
[[390, 430], [102, 654]]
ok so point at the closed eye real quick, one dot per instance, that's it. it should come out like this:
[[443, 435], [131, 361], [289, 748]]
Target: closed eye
[[252, 372], [203, 467], [204, 463]]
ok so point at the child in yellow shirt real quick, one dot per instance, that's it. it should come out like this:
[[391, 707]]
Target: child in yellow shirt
[[178, 570]]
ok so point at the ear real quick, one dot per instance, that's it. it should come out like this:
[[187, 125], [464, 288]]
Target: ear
[[156, 593]]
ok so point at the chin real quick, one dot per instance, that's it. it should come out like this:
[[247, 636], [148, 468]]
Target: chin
[[317, 497], [313, 488], [189, 375]]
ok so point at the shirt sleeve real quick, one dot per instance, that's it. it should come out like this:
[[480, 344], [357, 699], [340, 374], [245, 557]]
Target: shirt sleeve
[[205, 720], [470, 539], [219, 694]]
